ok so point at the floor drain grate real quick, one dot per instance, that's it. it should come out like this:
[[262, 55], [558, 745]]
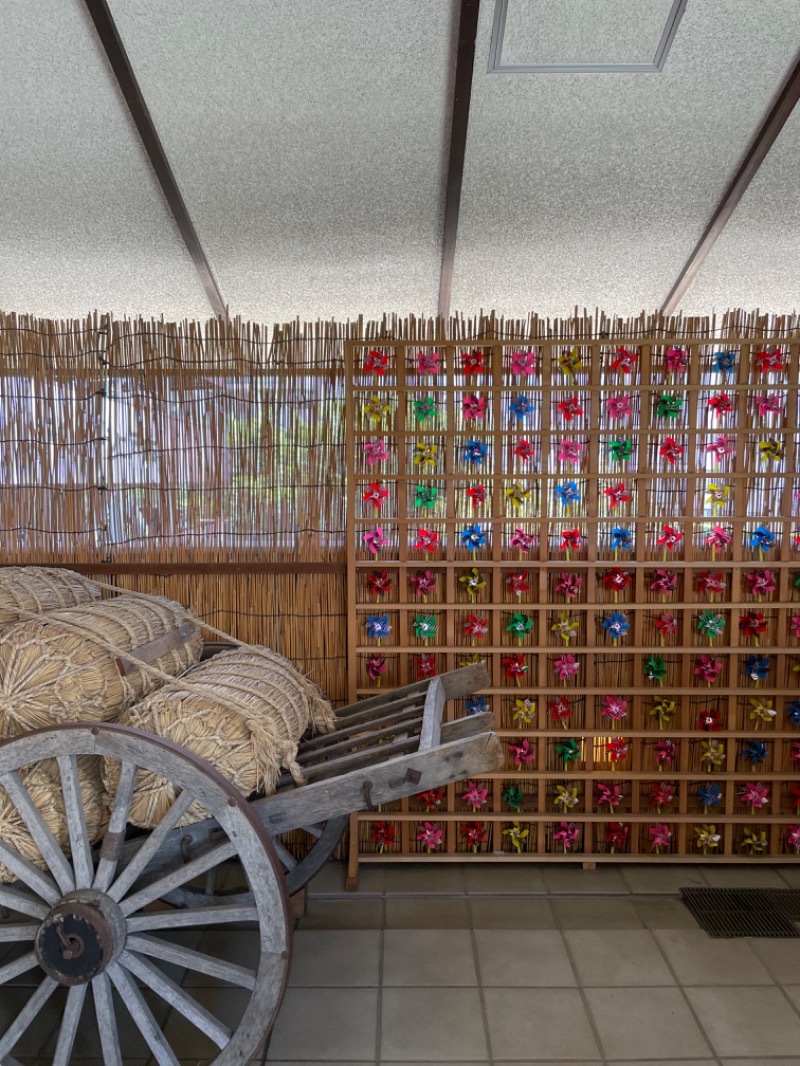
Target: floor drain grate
[[731, 912]]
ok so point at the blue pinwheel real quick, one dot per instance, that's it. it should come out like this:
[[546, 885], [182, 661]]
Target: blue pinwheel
[[762, 540], [520, 407], [473, 538], [567, 493], [475, 451], [755, 751], [476, 705], [793, 712], [621, 538], [723, 362], [616, 625], [710, 795], [756, 667], [378, 626]]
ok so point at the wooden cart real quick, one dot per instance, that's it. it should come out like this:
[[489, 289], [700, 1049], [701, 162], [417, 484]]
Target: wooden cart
[[102, 916]]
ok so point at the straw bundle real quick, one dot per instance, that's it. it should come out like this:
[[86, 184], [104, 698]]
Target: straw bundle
[[243, 711], [33, 589], [43, 783], [63, 666]]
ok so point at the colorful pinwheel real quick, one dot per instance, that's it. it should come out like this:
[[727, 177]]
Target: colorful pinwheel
[[793, 838], [569, 451], [720, 447], [520, 407], [617, 749], [431, 798], [520, 625], [476, 705], [514, 666], [374, 539], [516, 494], [768, 405], [427, 362], [707, 669], [473, 581], [617, 494], [423, 582], [475, 627], [670, 538], [621, 540], [472, 538], [616, 625], [754, 795], [723, 362], [559, 710], [718, 540], [513, 797], [762, 540], [476, 494], [570, 361], [615, 580], [615, 708], [718, 496], [620, 450], [425, 454], [566, 667], [474, 407], [517, 581], [607, 796], [474, 834], [523, 363], [376, 667], [375, 451], [667, 625], [517, 835], [378, 626], [661, 795], [664, 582], [624, 361], [712, 753], [707, 838], [754, 841], [660, 837], [770, 450], [524, 710], [569, 409], [569, 585], [380, 584], [521, 540], [430, 836], [709, 795], [472, 362], [793, 712], [382, 835], [756, 667], [376, 409], [711, 582], [755, 752], [671, 450], [425, 627], [475, 452], [665, 751], [618, 407], [795, 792], [427, 496], [375, 495], [794, 624], [721, 404], [524, 450], [710, 720], [427, 541], [566, 797], [567, 494], [424, 409], [522, 753], [567, 834], [711, 625], [668, 406], [663, 710], [475, 795], [616, 836], [768, 361], [570, 540], [753, 624], [795, 755], [426, 666], [654, 669], [676, 360], [376, 362]]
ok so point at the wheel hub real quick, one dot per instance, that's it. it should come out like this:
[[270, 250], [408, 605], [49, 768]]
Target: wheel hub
[[80, 936]]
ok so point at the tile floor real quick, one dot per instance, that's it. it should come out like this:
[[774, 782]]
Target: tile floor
[[508, 965]]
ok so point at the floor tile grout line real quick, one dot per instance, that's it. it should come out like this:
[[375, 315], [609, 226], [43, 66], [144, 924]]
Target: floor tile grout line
[[717, 1058], [481, 997], [379, 999], [582, 992], [795, 1006]]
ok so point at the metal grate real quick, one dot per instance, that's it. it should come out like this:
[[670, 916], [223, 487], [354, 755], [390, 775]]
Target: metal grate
[[737, 912]]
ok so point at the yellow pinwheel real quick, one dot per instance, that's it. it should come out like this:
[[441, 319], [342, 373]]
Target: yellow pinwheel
[[771, 449], [570, 361], [712, 753], [707, 837], [761, 710], [565, 628], [524, 711], [754, 841], [663, 709], [718, 496], [516, 494], [566, 797], [425, 454], [517, 835], [376, 409]]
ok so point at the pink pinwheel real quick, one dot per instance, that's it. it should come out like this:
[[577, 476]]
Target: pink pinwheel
[[427, 540], [375, 451], [754, 796], [565, 667], [768, 362], [795, 754], [618, 407], [761, 582], [719, 448], [794, 622], [474, 407], [522, 753], [570, 409], [676, 360], [475, 795], [430, 836], [427, 362], [570, 451], [768, 405], [617, 494], [624, 361], [718, 539], [707, 668], [670, 538], [570, 540], [423, 582], [793, 838], [376, 666], [569, 585], [665, 752], [567, 834], [375, 540], [671, 450], [376, 362], [517, 581], [615, 707], [524, 450], [559, 710], [521, 540], [617, 749], [523, 363], [608, 795], [661, 795], [660, 835], [664, 581]]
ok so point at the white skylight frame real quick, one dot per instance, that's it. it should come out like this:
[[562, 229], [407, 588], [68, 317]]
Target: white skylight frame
[[496, 65]]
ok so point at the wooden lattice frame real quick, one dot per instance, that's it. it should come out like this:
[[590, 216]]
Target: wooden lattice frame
[[758, 494]]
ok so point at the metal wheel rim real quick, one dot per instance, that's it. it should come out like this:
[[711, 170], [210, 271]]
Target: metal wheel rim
[[37, 892]]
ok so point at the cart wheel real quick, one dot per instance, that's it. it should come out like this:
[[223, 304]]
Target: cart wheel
[[85, 925], [298, 872]]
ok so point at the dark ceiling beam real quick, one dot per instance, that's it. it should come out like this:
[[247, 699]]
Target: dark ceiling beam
[[766, 136], [123, 72], [462, 94]]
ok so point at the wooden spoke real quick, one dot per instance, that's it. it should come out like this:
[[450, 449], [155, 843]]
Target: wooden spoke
[[16, 932], [26, 1016], [173, 994], [192, 960], [106, 1021], [314, 830], [31, 875], [150, 847], [142, 1016], [22, 903], [287, 859], [18, 966], [80, 847], [116, 825], [178, 877], [69, 1025], [185, 919], [52, 853]]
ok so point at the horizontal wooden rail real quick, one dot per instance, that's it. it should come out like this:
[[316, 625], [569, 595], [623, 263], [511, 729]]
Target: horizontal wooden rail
[[169, 569]]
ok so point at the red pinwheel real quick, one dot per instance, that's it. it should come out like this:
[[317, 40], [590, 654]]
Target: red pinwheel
[[661, 795], [524, 450], [666, 624], [376, 362], [427, 540], [625, 361], [426, 666], [431, 798], [517, 581], [474, 834], [617, 749], [617, 494], [570, 409], [670, 537], [379, 583], [382, 835], [796, 797], [707, 668], [475, 626], [476, 494], [768, 362], [710, 720], [710, 582], [671, 450], [514, 666], [570, 540], [721, 404], [472, 362], [375, 495], [616, 835], [559, 710], [615, 579], [522, 753], [753, 624]]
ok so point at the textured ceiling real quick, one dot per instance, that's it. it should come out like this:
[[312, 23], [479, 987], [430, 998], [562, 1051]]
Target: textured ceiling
[[309, 141], [83, 223], [593, 189], [582, 31]]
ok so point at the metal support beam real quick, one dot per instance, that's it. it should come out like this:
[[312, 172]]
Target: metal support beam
[[766, 136], [123, 71], [465, 58]]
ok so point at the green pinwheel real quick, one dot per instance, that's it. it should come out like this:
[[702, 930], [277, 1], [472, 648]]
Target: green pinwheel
[[425, 627], [655, 669], [513, 796], [711, 625], [424, 409], [520, 624], [620, 450], [568, 750], [426, 496], [668, 406]]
